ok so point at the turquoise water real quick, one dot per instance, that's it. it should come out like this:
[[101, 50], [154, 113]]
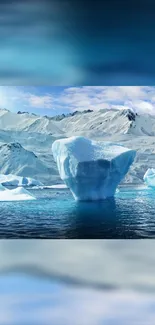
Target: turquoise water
[[55, 214], [26, 300]]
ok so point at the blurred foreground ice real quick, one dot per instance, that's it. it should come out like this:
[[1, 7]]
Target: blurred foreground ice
[[31, 300], [116, 264]]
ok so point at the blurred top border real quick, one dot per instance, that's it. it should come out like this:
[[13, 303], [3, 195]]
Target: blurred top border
[[75, 42]]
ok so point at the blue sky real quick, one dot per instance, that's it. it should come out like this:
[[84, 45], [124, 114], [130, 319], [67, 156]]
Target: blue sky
[[50, 100]]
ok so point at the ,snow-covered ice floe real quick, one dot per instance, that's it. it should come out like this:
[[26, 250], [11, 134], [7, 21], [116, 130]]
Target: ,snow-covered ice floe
[[91, 169], [149, 177], [13, 180], [56, 186], [17, 194]]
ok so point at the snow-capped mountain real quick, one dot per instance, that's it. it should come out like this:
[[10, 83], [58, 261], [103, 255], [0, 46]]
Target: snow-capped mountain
[[27, 122], [26, 139], [95, 123], [19, 161], [109, 122]]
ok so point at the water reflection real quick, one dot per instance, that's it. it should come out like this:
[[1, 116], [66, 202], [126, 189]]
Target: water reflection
[[92, 219], [108, 219]]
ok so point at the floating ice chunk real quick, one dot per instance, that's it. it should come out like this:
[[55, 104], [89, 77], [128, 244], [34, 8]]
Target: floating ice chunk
[[18, 194], [149, 177], [57, 186], [13, 180], [91, 170]]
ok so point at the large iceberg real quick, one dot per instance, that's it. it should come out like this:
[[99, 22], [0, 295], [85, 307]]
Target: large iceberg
[[91, 169], [149, 177], [14, 180]]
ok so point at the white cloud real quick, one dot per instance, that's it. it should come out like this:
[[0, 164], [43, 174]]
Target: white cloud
[[35, 101], [140, 99], [144, 107]]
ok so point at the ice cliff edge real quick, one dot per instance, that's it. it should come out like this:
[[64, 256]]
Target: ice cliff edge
[[91, 169]]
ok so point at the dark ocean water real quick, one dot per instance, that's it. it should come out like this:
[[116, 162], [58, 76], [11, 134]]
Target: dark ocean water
[[55, 214]]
